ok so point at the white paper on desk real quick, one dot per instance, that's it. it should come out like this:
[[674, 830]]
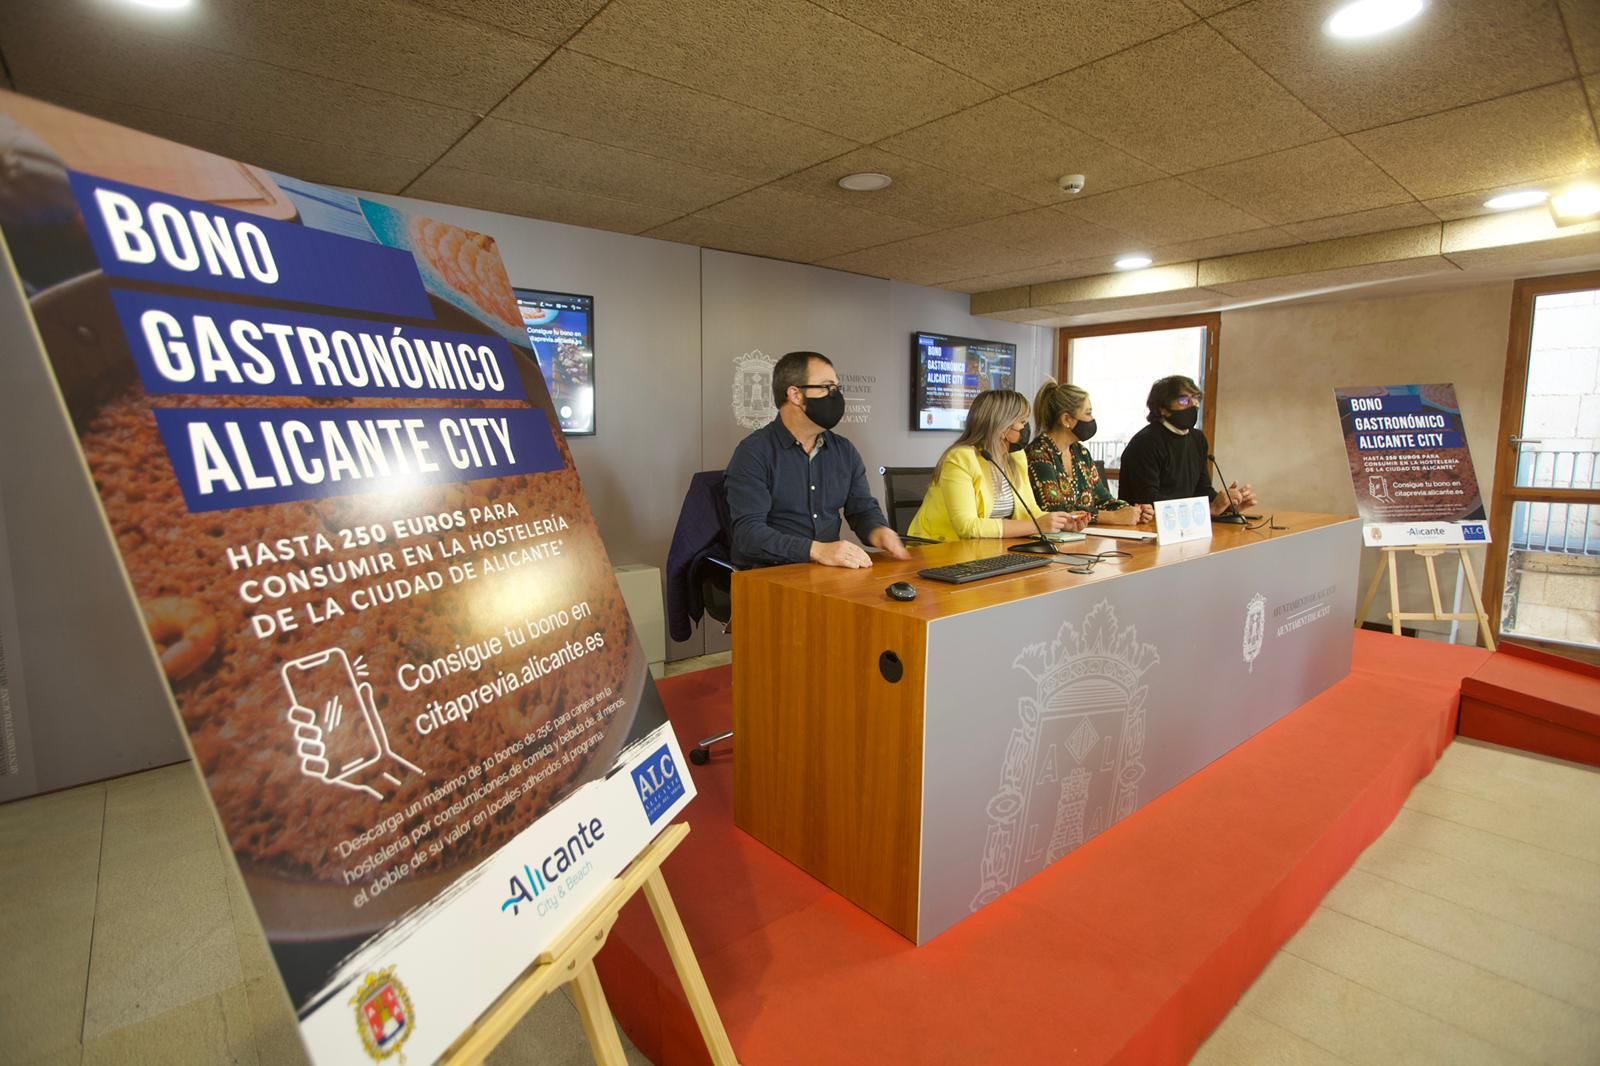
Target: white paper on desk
[[1123, 532]]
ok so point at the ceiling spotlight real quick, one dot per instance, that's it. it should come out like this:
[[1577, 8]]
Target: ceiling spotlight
[[1510, 201], [163, 5], [1580, 203], [866, 182], [1132, 262], [1368, 18]]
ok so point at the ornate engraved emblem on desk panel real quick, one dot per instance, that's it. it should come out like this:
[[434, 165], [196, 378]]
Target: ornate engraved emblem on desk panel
[[1255, 629], [752, 389], [1073, 764]]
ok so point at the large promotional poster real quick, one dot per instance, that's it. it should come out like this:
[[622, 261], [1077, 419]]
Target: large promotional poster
[[1409, 462], [344, 505]]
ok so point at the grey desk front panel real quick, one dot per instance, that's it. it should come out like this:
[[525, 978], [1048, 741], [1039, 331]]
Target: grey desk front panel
[[1051, 718]]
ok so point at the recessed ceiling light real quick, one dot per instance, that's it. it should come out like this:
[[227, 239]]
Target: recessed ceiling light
[[1508, 201], [1368, 18], [163, 5], [1133, 262], [867, 182], [1580, 203]]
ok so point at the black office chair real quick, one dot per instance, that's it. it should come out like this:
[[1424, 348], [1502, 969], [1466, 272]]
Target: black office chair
[[713, 577], [903, 490]]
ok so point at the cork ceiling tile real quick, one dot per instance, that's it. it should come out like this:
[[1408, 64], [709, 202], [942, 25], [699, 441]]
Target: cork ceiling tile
[[160, 74], [1472, 249], [920, 192], [1109, 308], [489, 192], [786, 225], [1470, 204], [1163, 212], [600, 101], [1007, 279], [552, 21], [1312, 181], [1050, 232], [1454, 53], [788, 57], [1184, 101], [1525, 229], [1174, 278], [1253, 240], [312, 160], [389, 45], [1011, 43], [1207, 8], [1342, 278], [1414, 243], [1582, 18], [995, 301], [1356, 223], [932, 259], [1014, 147], [1024, 316], [543, 157], [1538, 134]]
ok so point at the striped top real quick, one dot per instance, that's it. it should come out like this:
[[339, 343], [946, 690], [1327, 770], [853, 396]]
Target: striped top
[[1005, 501]]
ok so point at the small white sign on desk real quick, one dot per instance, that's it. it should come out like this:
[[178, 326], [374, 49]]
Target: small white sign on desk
[[1181, 520]]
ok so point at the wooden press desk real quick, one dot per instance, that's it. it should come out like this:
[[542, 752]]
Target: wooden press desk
[[923, 757]]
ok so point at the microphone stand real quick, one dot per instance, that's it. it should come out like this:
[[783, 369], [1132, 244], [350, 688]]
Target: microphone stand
[[1044, 546], [1231, 516]]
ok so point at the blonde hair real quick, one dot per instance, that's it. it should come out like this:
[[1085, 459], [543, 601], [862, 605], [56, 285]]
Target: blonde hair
[[992, 413], [1054, 401]]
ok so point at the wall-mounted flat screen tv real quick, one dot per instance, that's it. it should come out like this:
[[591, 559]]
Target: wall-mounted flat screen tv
[[560, 327], [947, 372]]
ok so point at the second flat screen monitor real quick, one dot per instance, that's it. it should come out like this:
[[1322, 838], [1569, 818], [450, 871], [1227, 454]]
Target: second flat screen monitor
[[947, 372], [561, 329]]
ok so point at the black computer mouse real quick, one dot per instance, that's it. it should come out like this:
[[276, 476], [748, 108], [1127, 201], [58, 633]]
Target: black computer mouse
[[902, 590]]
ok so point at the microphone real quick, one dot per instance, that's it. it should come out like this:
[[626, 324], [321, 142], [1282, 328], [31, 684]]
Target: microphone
[[1043, 540], [1231, 516]]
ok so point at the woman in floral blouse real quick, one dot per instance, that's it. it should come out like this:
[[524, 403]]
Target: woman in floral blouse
[[1061, 469]]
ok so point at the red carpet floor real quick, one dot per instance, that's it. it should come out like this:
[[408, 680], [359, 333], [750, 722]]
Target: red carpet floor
[[1129, 950], [1527, 699]]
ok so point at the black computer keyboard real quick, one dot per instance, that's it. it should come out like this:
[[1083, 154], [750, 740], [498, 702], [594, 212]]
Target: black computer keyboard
[[974, 569]]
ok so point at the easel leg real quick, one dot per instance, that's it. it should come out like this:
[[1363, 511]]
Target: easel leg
[[1372, 594], [1477, 600], [1394, 593], [688, 967], [598, 1024]]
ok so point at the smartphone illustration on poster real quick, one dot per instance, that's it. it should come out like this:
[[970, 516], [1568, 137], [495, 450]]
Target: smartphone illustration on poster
[[325, 685]]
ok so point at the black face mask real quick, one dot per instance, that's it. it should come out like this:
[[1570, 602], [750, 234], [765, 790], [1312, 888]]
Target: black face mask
[[1184, 417], [1022, 439], [825, 411], [1085, 429]]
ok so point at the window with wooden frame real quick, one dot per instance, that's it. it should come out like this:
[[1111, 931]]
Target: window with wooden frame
[[1116, 364]]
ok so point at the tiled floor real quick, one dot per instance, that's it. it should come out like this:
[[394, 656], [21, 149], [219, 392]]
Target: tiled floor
[[1469, 933]]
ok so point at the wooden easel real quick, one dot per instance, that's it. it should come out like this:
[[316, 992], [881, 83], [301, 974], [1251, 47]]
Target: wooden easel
[[1439, 614], [571, 959]]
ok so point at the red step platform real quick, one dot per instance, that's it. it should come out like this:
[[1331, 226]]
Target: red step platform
[[1129, 950], [1527, 699]]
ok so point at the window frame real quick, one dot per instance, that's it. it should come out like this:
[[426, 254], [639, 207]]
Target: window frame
[[1211, 320]]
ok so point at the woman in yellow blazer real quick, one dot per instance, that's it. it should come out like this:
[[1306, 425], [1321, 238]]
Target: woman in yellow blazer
[[968, 498]]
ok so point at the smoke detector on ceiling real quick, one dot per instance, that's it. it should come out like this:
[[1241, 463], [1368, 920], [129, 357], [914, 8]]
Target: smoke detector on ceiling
[[1071, 184]]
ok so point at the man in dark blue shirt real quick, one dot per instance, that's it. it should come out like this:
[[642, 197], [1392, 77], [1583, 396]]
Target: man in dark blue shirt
[[788, 481]]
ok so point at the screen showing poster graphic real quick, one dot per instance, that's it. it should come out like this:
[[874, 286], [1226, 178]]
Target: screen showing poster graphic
[[1409, 463], [343, 503], [561, 331], [947, 372]]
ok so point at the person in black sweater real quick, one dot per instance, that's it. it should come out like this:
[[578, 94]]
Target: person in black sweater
[[1166, 460]]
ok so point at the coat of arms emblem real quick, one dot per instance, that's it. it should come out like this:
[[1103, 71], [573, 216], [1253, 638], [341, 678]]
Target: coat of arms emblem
[[1073, 763], [1255, 628], [383, 1015], [752, 389]]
